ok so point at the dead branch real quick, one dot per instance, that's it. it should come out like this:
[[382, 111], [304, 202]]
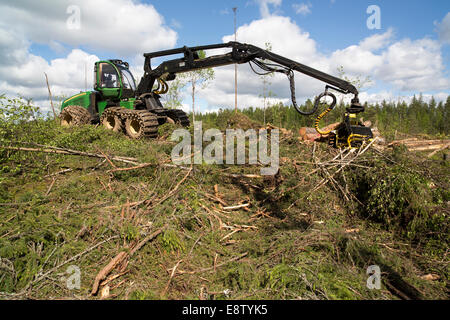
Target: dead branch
[[67, 152], [59, 172], [107, 269], [50, 187], [39, 276], [251, 176], [146, 239], [120, 258], [212, 268], [237, 207], [170, 279], [107, 158], [215, 198], [174, 190]]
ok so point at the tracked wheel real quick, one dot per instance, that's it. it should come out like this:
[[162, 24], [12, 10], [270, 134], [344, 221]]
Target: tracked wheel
[[179, 117], [141, 124], [74, 116], [111, 119]]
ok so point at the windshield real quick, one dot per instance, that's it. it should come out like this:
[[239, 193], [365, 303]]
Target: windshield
[[108, 76], [127, 79]]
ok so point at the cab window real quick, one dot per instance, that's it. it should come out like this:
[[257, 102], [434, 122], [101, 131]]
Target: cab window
[[127, 79], [108, 76]]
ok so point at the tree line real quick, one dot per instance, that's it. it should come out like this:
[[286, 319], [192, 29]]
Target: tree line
[[415, 117]]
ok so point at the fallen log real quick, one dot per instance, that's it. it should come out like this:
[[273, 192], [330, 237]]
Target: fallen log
[[426, 148], [438, 150]]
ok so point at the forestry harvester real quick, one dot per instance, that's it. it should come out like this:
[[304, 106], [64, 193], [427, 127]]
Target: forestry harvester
[[118, 104]]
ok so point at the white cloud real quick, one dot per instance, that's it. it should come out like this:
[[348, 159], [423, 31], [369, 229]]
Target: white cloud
[[414, 65], [286, 39], [123, 27], [302, 8], [120, 26], [444, 29], [377, 41], [22, 72], [404, 65]]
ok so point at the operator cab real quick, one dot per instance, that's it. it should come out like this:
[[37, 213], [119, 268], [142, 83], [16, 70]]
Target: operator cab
[[114, 80]]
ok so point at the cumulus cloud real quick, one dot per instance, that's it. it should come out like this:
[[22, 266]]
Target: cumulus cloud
[[377, 41], [414, 65], [405, 65], [120, 26], [22, 73], [287, 39]]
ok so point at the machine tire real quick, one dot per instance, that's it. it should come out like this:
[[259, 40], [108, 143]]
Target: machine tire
[[74, 116], [141, 124], [111, 119]]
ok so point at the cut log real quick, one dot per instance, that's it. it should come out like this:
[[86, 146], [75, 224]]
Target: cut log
[[311, 134]]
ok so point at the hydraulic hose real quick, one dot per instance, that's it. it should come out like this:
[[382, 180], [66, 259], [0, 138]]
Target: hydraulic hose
[[164, 85], [294, 100], [316, 105]]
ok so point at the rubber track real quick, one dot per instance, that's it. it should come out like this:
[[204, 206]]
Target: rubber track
[[180, 116], [112, 111], [146, 120]]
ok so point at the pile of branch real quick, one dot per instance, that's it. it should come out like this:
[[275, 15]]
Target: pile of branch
[[335, 166]]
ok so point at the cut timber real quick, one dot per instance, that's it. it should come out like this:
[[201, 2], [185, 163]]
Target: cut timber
[[427, 148], [414, 144], [311, 134], [440, 149]]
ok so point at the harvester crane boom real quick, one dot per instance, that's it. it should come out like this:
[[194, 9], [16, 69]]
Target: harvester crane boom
[[240, 53]]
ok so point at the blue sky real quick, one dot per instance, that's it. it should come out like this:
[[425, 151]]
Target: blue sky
[[409, 54]]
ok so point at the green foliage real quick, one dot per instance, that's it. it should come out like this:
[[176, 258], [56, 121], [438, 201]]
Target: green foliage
[[196, 78], [402, 200], [171, 242], [299, 248], [391, 118], [173, 97], [143, 295], [13, 113], [284, 276]]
